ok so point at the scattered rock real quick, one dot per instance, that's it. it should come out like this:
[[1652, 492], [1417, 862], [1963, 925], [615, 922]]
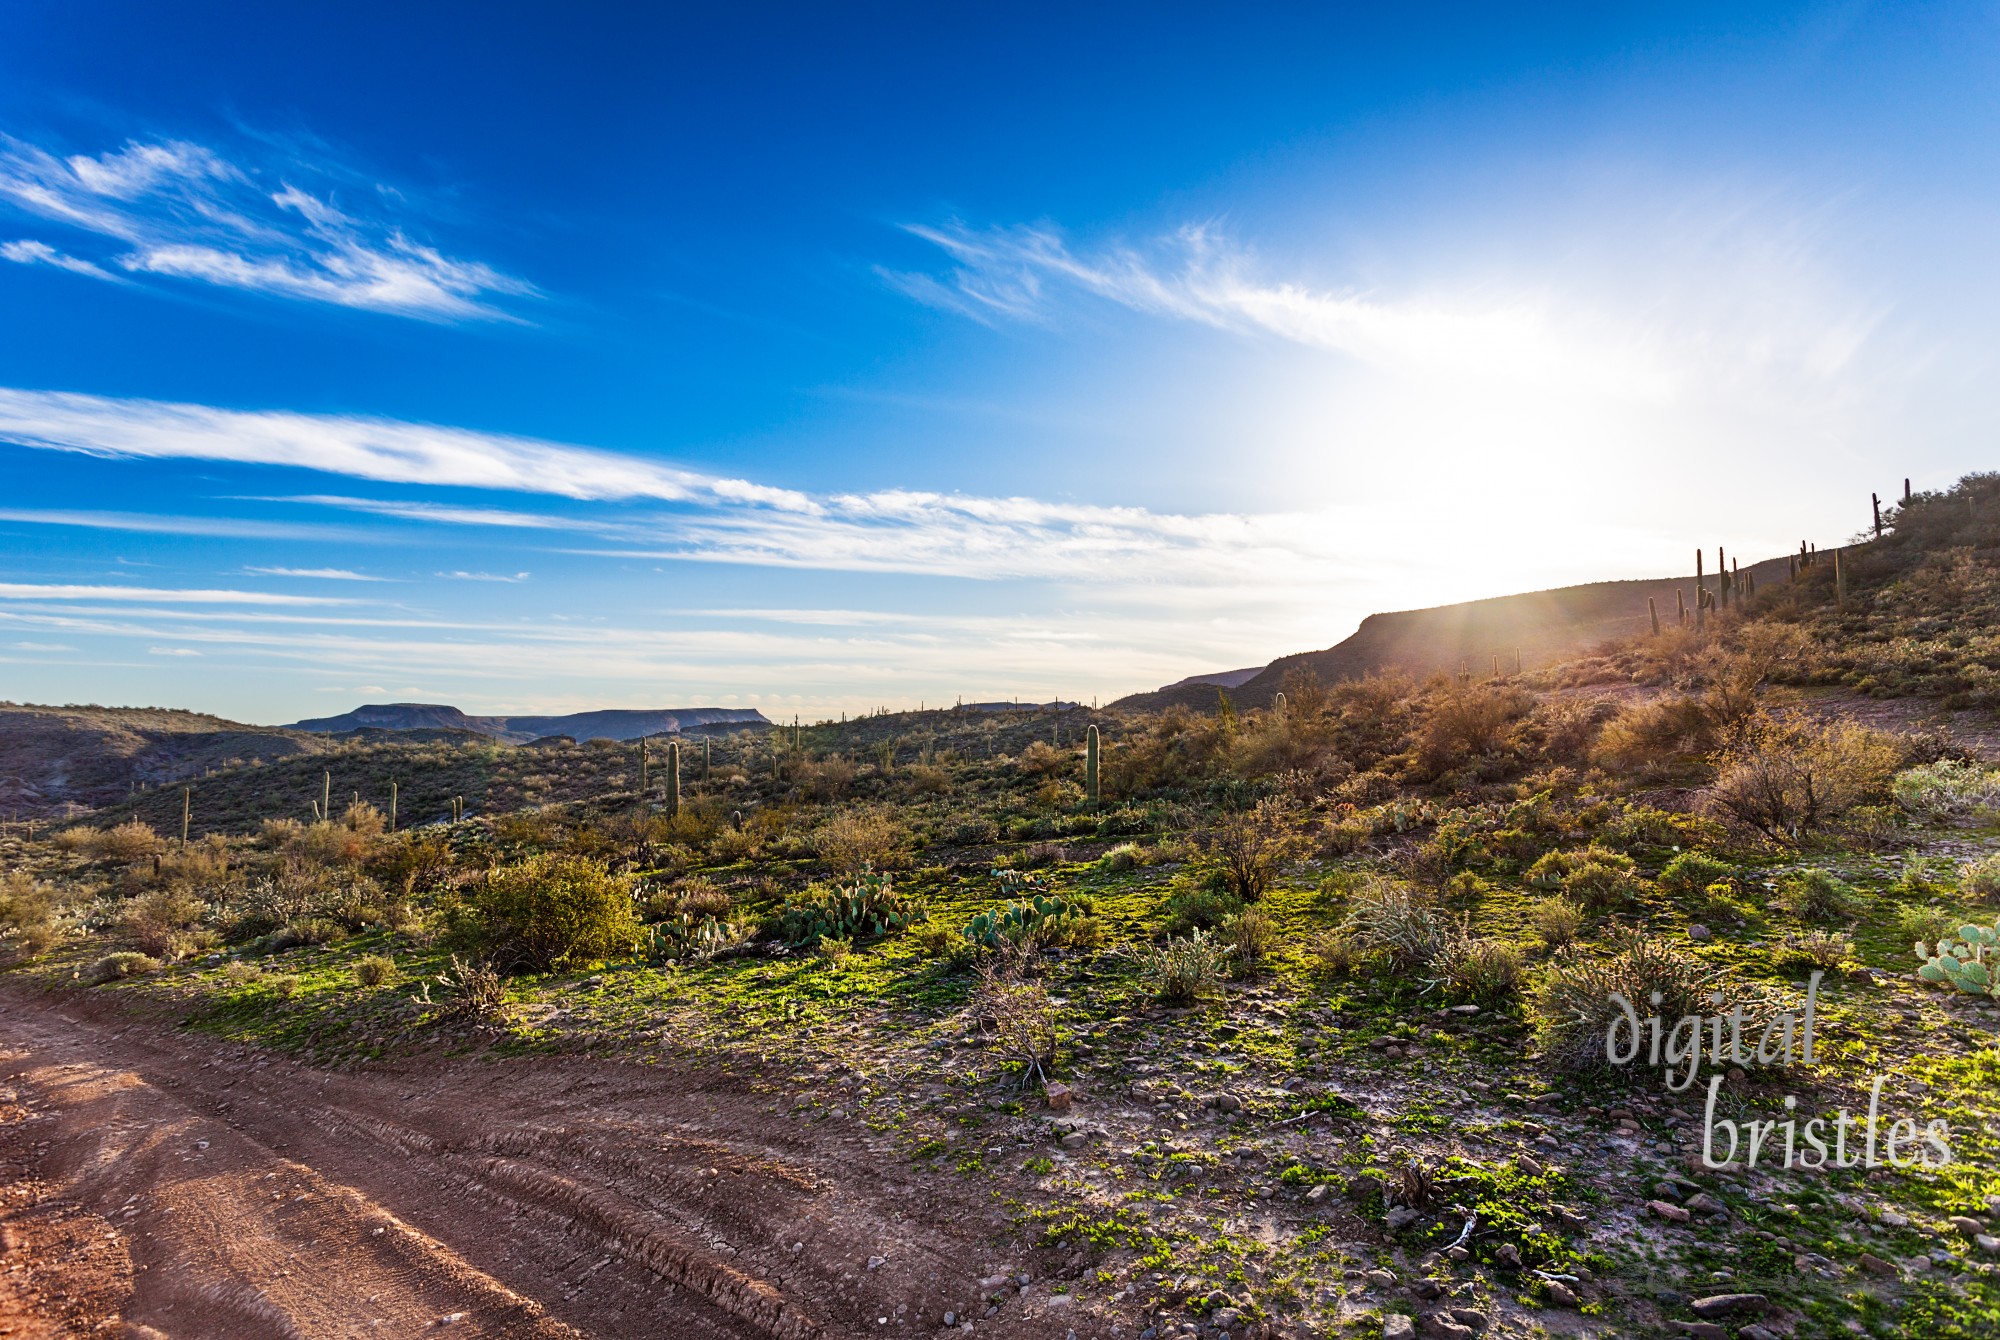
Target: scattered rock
[[1530, 1165], [1875, 1265], [1508, 1255], [1059, 1096], [1428, 1289], [1987, 1243], [1664, 1210], [1444, 1328], [1728, 1305], [1396, 1326], [1317, 1194], [1562, 1295], [1364, 1185], [1381, 1279], [1700, 934], [1667, 1191], [1967, 1225], [1401, 1218], [1469, 1316], [877, 1262], [1701, 1330], [1756, 1332], [1074, 1140], [1894, 1219]]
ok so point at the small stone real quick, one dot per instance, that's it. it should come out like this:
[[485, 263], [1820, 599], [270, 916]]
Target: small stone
[[1756, 1332], [1427, 1289], [1529, 1164], [1562, 1295], [1074, 1140], [1459, 1253], [1317, 1194], [1469, 1316], [1396, 1326], [1401, 1218], [1728, 1305], [1703, 1203], [1701, 1330], [1444, 1328], [1059, 1097], [877, 1262], [1875, 1265], [1381, 1279], [1967, 1225], [1700, 934], [1987, 1243], [1059, 1300], [1226, 1317], [1508, 1255], [1895, 1220], [1664, 1210], [950, 1319], [1364, 1185], [1667, 1191], [1226, 1102]]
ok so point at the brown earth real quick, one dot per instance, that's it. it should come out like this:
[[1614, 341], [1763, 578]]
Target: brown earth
[[157, 1184]]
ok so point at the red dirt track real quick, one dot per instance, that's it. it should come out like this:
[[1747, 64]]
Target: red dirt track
[[159, 1184]]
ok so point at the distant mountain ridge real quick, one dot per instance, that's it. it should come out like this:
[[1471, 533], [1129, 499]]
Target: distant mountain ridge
[[606, 724], [1540, 627], [1221, 679]]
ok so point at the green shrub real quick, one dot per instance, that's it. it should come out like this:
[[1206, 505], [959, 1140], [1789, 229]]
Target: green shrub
[[1249, 935], [1918, 922], [1183, 968], [1981, 879], [1572, 1009], [1815, 895], [1822, 949], [552, 911], [1191, 906], [1123, 857], [1947, 789], [373, 970], [1791, 777], [1602, 884], [1389, 919], [1471, 968], [114, 967], [1556, 921], [1689, 874]]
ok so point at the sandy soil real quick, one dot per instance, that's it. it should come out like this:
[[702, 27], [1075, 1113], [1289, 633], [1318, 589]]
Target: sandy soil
[[154, 1183]]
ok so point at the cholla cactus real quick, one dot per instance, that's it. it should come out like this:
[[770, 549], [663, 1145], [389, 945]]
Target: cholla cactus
[[1967, 963]]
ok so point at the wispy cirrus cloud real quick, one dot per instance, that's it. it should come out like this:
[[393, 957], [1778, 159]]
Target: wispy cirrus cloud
[[155, 594], [180, 210], [461, 575], [319, 574]]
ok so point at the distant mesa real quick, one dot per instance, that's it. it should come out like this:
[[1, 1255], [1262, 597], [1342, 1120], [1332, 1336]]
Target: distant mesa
[[1221, 679], [609, 724]]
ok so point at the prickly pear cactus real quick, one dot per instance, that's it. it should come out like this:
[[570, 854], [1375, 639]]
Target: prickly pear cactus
[[1970, 963], [1017, 922], [868, 909]]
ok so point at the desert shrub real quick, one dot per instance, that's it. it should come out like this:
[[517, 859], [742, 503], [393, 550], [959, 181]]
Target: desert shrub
[[694, 898], [824, 779], [858, 840], [473, 992], [926, 779], [1599, 884], [158, 922], [1822, 949], [1981, 879], [1335, 952], [372, 970], [1656, 739], [114, 967], [1689, 874], [1041, 759], [934, 939], [1123, 857], [1392, 920], [1556, 922], [1249, 937], [1364, 790], [551, 911], [1195, 905], [27, 914], [1252, 847], [129, 841], [1946, 789], [1572, 1009], [1466, 724], [867, 909], [1040, 855], [1019, 1017], [1644, 826], [972, 833], [1184, 967], [1791, 777], [1816, 895], [1472, 968], [302, 891]]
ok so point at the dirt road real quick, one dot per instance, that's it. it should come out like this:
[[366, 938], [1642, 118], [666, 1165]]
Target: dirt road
[[159, 1184]]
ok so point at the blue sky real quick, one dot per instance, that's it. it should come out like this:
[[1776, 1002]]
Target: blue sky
[[538, 358]]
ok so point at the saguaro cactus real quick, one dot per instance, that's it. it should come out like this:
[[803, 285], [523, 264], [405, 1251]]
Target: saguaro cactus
[[705, 759], [1090, 766], [326, 796], [1700, 592], [187, 808], [673, 779], [392, 806], [1839, 583]]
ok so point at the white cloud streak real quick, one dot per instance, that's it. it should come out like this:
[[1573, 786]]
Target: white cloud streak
[[183, 211], [161, 595], [317, 574]]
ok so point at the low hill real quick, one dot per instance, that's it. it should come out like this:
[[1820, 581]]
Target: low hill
[[55, 758], [1538, 627], [610, 724]]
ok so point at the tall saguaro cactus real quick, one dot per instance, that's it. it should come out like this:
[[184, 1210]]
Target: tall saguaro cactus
[[673, 779], [705, 759], [392, 806], [326, 796], [1699, 592], [187, 809], [1090, 766]]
